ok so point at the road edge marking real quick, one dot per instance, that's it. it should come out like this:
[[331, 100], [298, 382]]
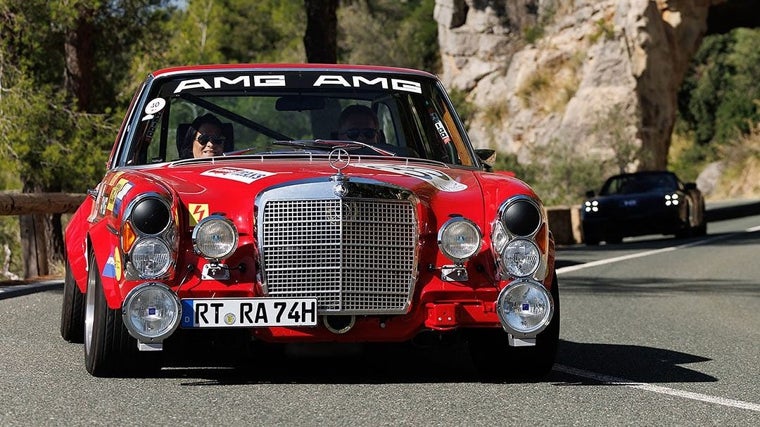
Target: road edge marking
[[571, 268], [606, 379]]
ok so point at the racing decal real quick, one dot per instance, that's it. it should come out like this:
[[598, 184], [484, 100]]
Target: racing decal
[[118, 191], [359, 81], [296, 80], [154, 107], [117, 263], [440, 128], [433, 177], [237, 174], [109, 270], [198, 211], [240, 81]]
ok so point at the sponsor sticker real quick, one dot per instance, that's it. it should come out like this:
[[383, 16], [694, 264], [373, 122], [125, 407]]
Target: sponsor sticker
[[198, 211], [116, 191], [109, 270], [237, 174]]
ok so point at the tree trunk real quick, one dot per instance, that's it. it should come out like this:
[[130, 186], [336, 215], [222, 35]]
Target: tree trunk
[[321, 37], [80, 59]]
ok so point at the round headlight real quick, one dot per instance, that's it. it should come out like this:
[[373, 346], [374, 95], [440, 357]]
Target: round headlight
[[150, 215], [525, 308], [459, 239], [521, 258], [215, 237], [151, 312], [521, 217], [151, 257]]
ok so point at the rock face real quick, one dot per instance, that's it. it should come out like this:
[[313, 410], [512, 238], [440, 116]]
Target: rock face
[[600, 75]]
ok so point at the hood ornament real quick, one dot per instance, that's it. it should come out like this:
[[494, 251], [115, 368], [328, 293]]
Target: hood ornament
[[339, 160]]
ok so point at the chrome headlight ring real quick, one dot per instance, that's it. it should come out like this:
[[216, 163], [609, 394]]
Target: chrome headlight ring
[[151, 312], [459, 239], [215, 237], [525, 308]]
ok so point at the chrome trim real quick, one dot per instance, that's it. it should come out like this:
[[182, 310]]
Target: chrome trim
[[513, 200], [356, 254]]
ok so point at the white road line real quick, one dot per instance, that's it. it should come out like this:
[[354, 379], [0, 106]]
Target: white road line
[[657, 389], [597, 263]]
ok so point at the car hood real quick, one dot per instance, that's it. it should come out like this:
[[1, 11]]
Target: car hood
[[231, 186]]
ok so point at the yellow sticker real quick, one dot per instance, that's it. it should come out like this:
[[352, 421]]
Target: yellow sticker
[[117, 263], [198, 211], [114, 192]]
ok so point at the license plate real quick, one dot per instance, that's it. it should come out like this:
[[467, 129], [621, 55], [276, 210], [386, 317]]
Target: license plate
[[248, 312]]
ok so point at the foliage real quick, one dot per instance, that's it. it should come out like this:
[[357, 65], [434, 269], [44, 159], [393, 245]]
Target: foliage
[[716, 101], [389, 32]]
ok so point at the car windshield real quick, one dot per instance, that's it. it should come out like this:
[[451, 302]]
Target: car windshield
[[273, 112], [639, 183]]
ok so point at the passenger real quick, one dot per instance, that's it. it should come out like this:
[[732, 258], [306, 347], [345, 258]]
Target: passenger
[[359, 123], [203, 138]]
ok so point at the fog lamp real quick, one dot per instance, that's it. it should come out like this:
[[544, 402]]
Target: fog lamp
[[151, 312], [525, 308]]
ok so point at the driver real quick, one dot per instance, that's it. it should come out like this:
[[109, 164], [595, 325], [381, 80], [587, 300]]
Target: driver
[[359, 123], [203, 138]]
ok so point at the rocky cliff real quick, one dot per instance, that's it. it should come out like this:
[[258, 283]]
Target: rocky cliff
[[600, 75]]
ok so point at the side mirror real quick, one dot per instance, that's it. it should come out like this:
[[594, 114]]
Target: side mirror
[[690, 186], [590, 194], [486, 155]]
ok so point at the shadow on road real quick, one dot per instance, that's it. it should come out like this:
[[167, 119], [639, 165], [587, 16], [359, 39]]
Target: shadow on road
[[631, 362], [404, 364]]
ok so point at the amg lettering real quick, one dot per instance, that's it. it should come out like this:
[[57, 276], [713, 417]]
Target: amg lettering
[[359, 81], [223, 82]]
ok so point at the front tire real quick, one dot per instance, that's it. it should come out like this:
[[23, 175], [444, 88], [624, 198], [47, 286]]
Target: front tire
[[109, 350], [72, 309]]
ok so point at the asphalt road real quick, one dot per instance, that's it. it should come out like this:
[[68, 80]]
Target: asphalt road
[[655, 331]]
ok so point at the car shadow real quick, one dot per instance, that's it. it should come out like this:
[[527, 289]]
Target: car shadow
[[629, 363], [405, 364]]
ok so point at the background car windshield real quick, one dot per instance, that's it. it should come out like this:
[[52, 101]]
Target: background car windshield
[[639, 183], [416, 122]]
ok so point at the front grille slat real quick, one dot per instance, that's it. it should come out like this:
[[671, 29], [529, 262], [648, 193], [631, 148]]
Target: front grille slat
[[356, 256]]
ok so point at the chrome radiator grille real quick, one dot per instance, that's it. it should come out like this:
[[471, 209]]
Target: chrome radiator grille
[[356, 256]]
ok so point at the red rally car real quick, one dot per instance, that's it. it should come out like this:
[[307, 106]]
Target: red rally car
[[305, 203]]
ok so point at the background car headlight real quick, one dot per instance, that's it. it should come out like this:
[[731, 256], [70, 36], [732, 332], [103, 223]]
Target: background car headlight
[[151, 257], [459, 239], [521, 258], [151, 312], [525, 308], [215, 237]]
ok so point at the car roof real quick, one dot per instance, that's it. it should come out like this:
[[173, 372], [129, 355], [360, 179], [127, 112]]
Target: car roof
[[284, 66], [642, 173]]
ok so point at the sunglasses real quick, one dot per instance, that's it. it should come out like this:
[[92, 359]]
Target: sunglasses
[[367, 133], [216, 140]]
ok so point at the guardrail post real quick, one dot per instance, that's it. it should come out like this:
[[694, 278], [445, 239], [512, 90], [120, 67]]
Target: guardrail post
[[34, 247]]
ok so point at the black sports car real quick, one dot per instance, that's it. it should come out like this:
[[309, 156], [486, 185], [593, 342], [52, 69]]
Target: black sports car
[[635, 204]]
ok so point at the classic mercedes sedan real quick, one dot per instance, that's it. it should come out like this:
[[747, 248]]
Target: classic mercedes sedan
[[295, 203]]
